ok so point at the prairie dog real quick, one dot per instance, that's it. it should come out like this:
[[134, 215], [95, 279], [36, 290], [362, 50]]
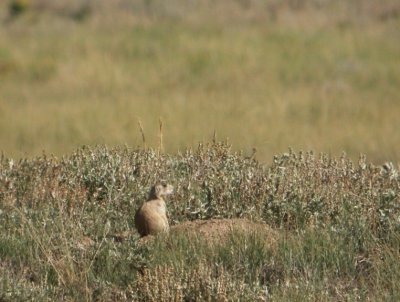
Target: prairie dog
[[151, 217]]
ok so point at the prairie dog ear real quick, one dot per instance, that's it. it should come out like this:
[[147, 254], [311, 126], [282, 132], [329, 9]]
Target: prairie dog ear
[[161, 189]]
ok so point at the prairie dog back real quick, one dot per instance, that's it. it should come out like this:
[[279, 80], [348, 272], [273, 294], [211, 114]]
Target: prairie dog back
[[151, 217]]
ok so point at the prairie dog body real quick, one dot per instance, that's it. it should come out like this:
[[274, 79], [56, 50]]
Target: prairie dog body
[[151, 217]]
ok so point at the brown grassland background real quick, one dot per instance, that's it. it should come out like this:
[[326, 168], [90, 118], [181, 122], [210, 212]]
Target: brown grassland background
[[312, 75]]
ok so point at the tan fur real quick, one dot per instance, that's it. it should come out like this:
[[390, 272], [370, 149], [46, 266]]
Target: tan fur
[[151, 217]]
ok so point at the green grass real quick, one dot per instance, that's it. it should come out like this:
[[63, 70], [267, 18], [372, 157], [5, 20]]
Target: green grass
[[323, 80], [334, 227]]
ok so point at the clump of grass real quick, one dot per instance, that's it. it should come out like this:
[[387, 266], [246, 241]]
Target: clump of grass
[[336, 226], [202, 282]]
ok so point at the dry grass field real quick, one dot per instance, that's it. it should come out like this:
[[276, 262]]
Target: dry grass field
[[274, 225], [311, 75]]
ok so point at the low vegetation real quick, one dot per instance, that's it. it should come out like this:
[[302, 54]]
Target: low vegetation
[[334, 227]]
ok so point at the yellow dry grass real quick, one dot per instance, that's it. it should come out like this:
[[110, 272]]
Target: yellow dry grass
[[269, 79]]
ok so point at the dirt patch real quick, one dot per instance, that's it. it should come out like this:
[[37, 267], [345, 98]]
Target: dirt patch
[[213, 230]]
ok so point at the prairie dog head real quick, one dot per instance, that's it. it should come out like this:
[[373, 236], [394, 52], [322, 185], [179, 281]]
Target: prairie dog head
[[159, 190]]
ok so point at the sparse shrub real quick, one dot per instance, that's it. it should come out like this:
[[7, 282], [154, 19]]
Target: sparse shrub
[[82, 12], [17, 7]]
